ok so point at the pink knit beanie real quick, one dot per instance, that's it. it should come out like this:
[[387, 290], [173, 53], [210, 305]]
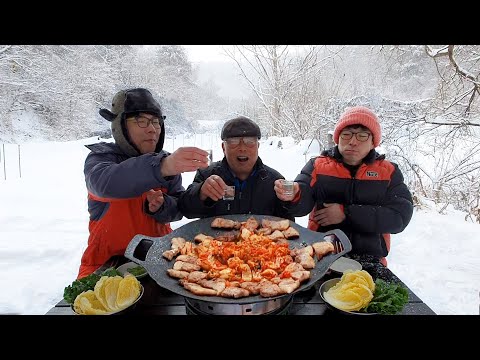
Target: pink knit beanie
[[359, 115]]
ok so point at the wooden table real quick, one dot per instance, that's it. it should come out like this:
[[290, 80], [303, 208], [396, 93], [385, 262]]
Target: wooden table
[[159, 301]]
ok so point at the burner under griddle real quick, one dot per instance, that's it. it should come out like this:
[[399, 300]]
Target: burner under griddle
[[278, 306]]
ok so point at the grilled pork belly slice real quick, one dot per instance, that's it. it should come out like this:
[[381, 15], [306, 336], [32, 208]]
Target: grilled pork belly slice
[[251, 224], [263, 231], [218, 284], [276, 280], [323, 248], [196, 276], [185, 266], [300, 275], [227, 237], [289, 285], [200, 238], [178, 244], [198, 290], [294, 266], [304, 250], [179, 274], [268, 289], [245, 233], [234, 292], [305, 260], [221, 223], [291, 233], [169, 254], [276, 225], [189, 259], [252, 287], [276, 235]]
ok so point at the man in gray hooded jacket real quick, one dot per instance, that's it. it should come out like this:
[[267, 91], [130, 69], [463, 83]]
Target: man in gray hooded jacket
[[133, 184]]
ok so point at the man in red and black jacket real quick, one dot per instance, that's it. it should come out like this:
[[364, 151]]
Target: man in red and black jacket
[[353, 188], [133, 184]]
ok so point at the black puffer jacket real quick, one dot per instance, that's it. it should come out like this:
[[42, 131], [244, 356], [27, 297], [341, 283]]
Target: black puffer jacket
[[253, 196], [376, 200]]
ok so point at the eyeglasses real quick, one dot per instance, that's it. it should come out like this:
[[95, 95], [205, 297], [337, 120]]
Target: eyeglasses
[[144, 122], [235, 141], [360, 136]]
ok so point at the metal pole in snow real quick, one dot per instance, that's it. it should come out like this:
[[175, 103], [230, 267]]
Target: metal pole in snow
[[19, 163], [4, 167]]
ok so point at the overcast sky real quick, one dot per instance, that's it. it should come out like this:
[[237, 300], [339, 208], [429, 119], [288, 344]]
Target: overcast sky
[[198, 53], [215, 66]]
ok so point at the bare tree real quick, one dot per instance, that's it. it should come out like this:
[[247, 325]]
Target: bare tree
[[282, 77], [62, 87], [458, 67], [434, 135]]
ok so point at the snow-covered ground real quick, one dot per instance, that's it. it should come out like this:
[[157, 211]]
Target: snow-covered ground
[[44, 228]]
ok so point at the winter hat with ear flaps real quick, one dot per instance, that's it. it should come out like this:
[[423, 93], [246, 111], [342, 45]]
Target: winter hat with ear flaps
[[359, 115], [131, 102]]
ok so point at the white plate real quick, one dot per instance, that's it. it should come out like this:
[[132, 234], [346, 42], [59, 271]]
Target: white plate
[[325, 287], [123, 269], [342, 264]]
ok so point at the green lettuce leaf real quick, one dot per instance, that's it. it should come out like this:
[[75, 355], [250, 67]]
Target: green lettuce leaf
[[84, 284], [388, 299]]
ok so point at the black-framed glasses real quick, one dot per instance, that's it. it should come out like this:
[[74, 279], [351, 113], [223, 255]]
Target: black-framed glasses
[[144, 122], [360, 136], [249, 141]]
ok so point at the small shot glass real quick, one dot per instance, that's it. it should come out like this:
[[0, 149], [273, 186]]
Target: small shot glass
[[229, 193], [287, 187], [210, 156]]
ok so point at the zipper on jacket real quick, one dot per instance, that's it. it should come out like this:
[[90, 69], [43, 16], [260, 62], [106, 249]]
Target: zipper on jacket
[[352, 188]]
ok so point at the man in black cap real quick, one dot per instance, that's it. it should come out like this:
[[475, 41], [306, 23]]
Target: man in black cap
[[133, 184], [241, 167]]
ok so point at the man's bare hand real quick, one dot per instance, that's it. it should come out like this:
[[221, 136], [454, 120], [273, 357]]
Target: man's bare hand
[[184, 159], [280, 191], [213, 187], [155, 200], [330, 214]]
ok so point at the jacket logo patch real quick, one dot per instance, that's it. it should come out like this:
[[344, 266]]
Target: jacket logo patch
[[372, 174]]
